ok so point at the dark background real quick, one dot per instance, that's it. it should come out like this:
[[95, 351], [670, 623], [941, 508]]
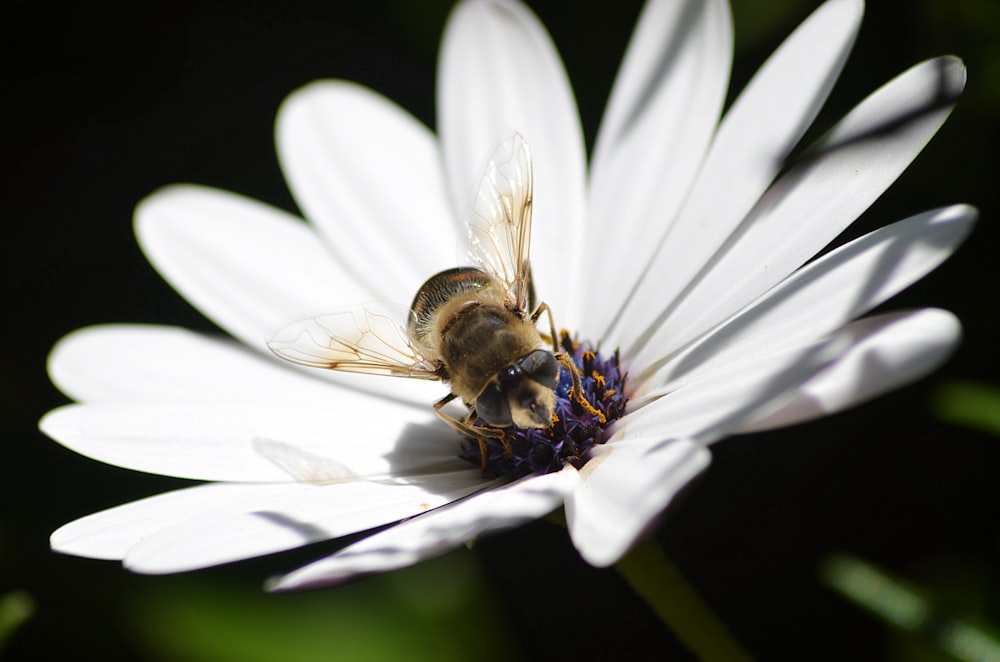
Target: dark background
[[103, 105]]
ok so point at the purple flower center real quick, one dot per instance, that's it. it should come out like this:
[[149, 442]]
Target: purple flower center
[[576, 430]]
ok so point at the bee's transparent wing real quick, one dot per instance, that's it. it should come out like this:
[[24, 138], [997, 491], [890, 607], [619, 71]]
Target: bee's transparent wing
[[370, 339], [500, 223]]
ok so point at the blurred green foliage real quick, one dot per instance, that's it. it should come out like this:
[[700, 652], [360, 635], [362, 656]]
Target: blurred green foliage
[[970, 404], [437, 611], [951, 617], [16, 607], [932, 624]]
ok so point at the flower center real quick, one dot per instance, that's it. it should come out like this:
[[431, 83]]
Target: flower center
[[576, 429]]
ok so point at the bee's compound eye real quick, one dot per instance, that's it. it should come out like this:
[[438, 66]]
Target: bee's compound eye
[[509, 376], [492, 407], [541, 366]]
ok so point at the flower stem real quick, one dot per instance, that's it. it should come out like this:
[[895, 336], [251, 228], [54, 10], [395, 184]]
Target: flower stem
[[659, 582]]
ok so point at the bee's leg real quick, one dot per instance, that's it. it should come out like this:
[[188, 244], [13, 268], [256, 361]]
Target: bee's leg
[[468, 429], [576, 392], [482, 433], [464, 427], [544, 308], [482, 453]]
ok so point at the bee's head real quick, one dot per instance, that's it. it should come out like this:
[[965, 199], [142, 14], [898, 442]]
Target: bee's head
[[523, 394]]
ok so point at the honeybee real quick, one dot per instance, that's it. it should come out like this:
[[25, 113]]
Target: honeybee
[[472, 328]]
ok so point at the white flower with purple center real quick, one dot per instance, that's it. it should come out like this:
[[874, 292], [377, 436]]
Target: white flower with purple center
[[683, 252]]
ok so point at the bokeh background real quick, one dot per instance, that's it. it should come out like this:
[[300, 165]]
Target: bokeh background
[[102, 106]]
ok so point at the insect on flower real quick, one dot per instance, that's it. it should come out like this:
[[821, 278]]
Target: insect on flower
[[473, 327]]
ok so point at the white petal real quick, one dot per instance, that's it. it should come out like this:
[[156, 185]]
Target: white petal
[[825, 294], [499, 72], [352, 437], [165, 364], [251, 268], [248, 266], [109, 534], [715, 402], [437, 532], [889, 351], [292, 519], [800, 214], [653, 451], [672, 81], [758, 132], [369, 176], [625, 487], [662, 113]]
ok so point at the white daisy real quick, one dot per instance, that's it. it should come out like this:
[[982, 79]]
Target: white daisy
[[683, 246]]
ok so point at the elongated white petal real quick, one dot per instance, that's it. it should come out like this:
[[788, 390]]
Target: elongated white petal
[[672, 81], [259, 443], [663, 111], [715, 402], [825, 294], [438, 531], [251, 268], [754, 138], [219, 522], [110, 534], [499, 72], [799, 215], [625, 486], [889, 351], [247, 266], [653, 452], [166, 364], [368, 175], [294, 518]]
